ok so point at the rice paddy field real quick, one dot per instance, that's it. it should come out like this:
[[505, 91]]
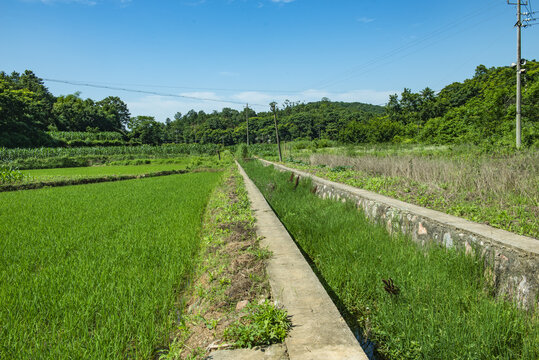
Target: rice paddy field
[[98, 171], [95, 271]]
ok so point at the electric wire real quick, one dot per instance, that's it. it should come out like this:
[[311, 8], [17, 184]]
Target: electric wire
[[148, 92], [183, 87], [352, 72]]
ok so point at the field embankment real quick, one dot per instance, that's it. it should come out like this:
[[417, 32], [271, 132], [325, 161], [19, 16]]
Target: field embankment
[[497, 189], [95, 271], [412, 302]]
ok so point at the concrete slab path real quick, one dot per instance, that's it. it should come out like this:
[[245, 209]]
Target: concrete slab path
[[318, 329]]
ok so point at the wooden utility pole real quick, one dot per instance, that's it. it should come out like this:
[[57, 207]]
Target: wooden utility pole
[[273, 107], [247, 119]]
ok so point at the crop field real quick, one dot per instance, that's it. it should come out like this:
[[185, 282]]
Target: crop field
[[438, 303], [147, 150], [95, 271], [96, 171]]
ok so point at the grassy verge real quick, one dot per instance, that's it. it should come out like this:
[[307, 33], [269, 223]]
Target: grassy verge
[[94, 271], [434, 303], [228, 302], [498, 190]]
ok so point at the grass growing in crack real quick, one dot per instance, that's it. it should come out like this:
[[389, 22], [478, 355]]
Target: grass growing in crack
[[263, 324], [442, 309]]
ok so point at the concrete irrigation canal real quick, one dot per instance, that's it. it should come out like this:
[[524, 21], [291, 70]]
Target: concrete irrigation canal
[[318, 329]]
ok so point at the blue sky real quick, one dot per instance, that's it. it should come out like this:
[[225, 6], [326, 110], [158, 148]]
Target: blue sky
[[255, 51]]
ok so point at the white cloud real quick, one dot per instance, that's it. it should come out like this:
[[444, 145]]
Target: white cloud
[[162, 107], [365, 20], [282, 1]]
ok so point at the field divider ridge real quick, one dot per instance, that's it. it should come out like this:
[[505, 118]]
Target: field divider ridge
[[92, 180], [513, 258], [318, 329]]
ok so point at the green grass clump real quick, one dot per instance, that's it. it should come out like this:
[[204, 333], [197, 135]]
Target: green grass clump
[[9, 174], [95, 271], [442, 308], [264, 324]]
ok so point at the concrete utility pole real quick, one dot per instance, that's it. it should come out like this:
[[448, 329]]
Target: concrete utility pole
[[247, 119], [519, 57], [273, 107], [520, 62]]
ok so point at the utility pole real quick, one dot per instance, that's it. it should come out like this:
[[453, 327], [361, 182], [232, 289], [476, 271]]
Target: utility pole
[[519, 56], [520, 62], [273, 107], [247, 119]]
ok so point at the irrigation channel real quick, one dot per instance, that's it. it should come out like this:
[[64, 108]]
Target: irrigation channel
[[401, 300]]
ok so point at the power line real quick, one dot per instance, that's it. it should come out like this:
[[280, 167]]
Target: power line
[[183, 87], [146, 92], [357, 70]]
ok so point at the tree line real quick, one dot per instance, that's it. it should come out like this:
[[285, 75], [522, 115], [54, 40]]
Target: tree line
[[477, 110]]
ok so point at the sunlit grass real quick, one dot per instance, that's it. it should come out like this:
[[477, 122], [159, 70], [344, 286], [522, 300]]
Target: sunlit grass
[[443, 310], [94, 271]]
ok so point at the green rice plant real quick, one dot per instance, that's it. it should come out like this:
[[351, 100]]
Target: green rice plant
[[99, 171], [413, 302], [96, 271]]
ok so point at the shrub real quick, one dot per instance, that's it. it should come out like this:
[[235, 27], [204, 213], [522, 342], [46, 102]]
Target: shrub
[[242, 152]]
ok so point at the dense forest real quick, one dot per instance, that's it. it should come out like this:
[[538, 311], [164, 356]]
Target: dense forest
[[478, 110]]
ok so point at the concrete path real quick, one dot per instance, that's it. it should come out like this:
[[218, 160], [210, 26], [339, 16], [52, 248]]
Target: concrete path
[[318, 330]]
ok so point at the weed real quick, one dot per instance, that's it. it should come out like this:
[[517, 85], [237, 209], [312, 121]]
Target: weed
[[264, 324]]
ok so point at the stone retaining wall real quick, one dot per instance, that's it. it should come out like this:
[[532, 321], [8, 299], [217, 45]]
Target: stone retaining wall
[[513, 259]]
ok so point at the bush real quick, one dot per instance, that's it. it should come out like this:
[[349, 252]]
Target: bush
[[242, 152], [9, 174]]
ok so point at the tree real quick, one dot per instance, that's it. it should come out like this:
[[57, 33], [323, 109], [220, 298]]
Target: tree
[[147, 130], [113, 113]]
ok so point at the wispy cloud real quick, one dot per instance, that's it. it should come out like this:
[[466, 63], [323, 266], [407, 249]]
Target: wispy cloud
[[282, 1], [364, 20], [162, 107]]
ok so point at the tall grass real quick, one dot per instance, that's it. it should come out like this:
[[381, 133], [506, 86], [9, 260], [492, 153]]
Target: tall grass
[[483, 176], [500, 189], [94, 271], [443, 309]]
